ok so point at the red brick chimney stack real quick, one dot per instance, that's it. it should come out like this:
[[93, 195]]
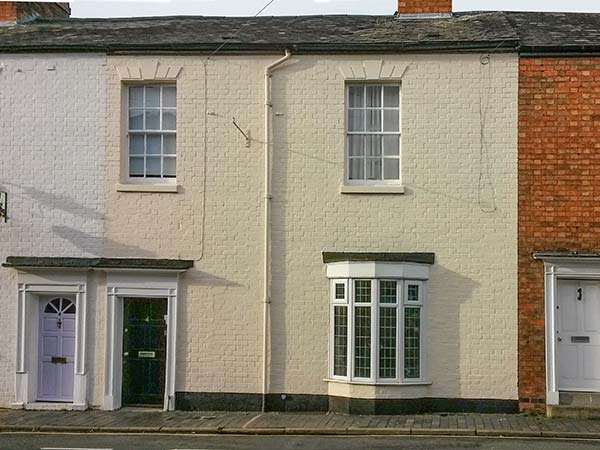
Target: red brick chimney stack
[[14, 12], [424, 7]]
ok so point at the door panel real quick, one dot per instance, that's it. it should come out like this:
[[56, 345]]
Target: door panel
[[68, 324], [49, 377], [144, 351], [591, 307], [49, 345], [578, 335], [591, 357], [49, 323], [68, 347], [567, 310], [568, 361]]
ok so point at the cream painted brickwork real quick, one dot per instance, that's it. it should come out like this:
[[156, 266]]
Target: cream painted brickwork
[[459, 170], [52, 114]]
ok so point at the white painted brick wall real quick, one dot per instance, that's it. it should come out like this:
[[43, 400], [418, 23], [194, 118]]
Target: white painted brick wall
[[52, 134], [472, 302]]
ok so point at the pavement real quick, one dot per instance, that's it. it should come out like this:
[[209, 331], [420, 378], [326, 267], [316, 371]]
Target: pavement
[[254, 423]]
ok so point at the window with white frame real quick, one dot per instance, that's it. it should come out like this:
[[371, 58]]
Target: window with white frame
[[376, 330], [151, 132], [373, 134]]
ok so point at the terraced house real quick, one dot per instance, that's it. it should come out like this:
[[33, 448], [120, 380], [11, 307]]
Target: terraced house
[[559, 138], [279, 213]]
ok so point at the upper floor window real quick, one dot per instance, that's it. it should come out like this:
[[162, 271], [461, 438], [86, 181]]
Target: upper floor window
[[373, 133], [151, 132]]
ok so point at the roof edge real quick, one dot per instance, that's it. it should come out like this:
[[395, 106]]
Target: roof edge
[[418, 257], [497, 46], [34, 262]]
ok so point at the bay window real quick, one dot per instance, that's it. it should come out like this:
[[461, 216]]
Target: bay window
[[376, 330]]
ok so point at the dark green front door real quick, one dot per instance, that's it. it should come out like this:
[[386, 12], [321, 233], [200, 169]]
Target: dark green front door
[[144, 351]]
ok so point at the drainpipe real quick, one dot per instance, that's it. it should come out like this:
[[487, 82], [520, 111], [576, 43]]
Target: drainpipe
[[267, 227]]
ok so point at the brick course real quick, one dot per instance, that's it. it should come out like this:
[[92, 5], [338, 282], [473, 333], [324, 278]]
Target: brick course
[[8, 11], [424, 6], [559, 189]]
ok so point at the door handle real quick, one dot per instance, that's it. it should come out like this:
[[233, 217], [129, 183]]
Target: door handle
[[559, 339]]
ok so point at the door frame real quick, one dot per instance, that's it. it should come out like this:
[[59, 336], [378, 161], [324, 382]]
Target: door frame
[[31, 287], [131, 284], [561, 267]]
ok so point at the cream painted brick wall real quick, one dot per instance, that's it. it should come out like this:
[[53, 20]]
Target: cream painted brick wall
[[460, 202], [52, 134]]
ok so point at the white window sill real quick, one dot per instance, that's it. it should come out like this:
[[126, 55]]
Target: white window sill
[[371, 189], [380, 383], [132, 187]]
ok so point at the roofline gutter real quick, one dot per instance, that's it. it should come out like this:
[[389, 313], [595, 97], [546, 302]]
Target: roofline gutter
[[568, 51], [267, 227], [567, 54], [298, 48]]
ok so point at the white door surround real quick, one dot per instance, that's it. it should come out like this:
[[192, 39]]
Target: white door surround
[[146, 284], [33, 288], [558, 269], [56, 349]]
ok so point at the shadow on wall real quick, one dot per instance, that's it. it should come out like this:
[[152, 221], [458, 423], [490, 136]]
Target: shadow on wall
[[204, 301], [198, 278], [54, 201], [95, 245], [447, 291]]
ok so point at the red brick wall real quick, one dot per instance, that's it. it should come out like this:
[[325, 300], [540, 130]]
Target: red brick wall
[[8, 12], [14, 11], [559, 189], [424, 6]]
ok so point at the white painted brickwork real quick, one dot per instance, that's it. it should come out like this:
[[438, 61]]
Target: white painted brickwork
[[52, 134], [460, 202]]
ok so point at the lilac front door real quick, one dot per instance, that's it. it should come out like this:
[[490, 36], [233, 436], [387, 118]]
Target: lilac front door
[[56, 350]]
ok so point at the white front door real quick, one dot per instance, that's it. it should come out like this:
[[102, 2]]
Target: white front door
[[578, 335], [56, 350]]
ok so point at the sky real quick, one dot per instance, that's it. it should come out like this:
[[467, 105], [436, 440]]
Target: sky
[[127, 8]]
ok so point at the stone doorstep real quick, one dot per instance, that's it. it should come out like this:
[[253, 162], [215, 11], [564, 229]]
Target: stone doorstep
[[573, 412], [580, 400]]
